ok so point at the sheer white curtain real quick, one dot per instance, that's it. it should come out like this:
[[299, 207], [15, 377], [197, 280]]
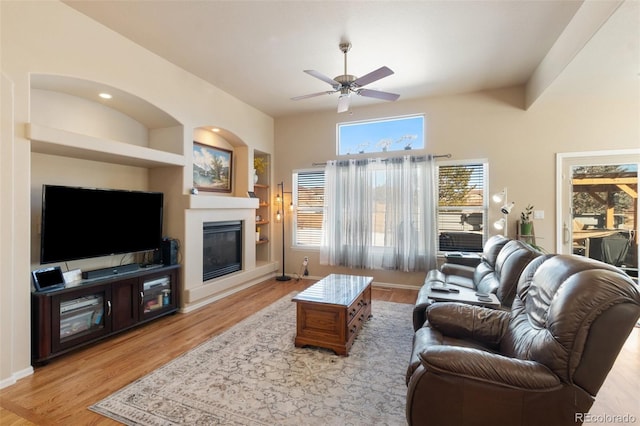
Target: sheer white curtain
[[380, 214]]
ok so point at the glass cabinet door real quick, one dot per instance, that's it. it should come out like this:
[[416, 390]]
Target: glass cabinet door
[[156, 296], [80, 317]]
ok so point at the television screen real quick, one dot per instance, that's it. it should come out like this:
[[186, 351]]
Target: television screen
[[79, 223]]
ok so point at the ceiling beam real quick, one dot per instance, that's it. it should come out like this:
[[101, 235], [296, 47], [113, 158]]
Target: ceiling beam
[[605, 181], [585, 23]]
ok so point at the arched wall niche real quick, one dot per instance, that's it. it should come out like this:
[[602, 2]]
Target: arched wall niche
[[242, 155], [214, 132], [72, 104], [131, 105]]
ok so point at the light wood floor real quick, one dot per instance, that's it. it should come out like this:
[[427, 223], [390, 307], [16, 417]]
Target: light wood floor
[[60, 392]]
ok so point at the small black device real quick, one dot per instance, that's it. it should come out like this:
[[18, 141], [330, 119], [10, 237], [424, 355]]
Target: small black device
[[48, 279], [169, 251]]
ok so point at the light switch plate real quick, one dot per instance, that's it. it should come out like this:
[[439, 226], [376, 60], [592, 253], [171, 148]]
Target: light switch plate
[[538, 214]]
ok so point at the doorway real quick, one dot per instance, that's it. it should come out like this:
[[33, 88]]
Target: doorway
[[598, 207]]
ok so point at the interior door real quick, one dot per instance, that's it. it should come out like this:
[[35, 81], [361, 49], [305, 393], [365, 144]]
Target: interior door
[[597, 213]]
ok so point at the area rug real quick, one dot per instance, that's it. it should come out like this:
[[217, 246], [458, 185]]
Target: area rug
[[252, 374]]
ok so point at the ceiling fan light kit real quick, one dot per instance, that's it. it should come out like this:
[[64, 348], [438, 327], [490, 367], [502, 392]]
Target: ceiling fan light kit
[[347, 84]]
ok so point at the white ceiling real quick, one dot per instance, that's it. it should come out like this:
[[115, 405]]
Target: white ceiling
[[257, 50]]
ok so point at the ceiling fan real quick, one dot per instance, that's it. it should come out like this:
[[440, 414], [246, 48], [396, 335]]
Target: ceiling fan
[[347, 84]]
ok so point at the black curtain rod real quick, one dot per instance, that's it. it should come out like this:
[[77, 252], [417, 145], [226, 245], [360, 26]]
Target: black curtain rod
[[387, 159]]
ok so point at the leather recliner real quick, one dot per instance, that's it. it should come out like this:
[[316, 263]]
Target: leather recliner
[[503, 261], [543, 362]]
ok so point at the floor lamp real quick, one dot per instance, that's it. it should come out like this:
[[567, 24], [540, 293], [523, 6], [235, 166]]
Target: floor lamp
[[506, 208], [280, 218]]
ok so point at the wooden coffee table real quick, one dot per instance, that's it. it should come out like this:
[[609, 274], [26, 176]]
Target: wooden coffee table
[[331, 312]]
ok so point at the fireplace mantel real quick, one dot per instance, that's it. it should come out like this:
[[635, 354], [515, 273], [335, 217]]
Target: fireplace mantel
[[206, 201]]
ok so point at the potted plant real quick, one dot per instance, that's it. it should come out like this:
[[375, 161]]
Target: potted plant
[[526, 225], [259, 167]]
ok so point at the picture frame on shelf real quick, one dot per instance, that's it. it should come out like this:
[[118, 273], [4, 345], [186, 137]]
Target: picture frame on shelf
[[252, 194], [212, 168]]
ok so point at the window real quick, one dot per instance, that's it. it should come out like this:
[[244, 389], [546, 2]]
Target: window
[[380, 214], [390, 134], [462, 206], [308, 195]]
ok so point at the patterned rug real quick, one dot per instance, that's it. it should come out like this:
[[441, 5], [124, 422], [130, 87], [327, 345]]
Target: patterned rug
[[253, 375]]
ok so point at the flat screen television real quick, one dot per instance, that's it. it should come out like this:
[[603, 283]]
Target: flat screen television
[[79, 223]]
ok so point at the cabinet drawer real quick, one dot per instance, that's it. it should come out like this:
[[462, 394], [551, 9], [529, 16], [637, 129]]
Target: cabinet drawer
[[355, 325], [362, 302]]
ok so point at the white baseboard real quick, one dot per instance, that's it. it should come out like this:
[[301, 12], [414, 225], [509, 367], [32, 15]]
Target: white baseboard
[[15, 377], [204, 302]]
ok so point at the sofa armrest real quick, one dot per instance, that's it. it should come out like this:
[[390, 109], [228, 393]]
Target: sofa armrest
[[455, 269], [489, 367], [463, 321]]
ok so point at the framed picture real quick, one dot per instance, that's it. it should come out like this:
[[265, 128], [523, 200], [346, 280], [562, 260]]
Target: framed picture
[[252, 194], [212, 168]]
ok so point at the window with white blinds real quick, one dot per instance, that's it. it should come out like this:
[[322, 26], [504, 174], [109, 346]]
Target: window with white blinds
[[462, 206], [308, 194]]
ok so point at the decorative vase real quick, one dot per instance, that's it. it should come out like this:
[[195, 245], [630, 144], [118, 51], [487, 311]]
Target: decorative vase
[[255, 176], [526, 228]]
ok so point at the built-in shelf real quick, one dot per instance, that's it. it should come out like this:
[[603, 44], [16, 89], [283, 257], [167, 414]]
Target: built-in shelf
[[263, 212], [52, 141]]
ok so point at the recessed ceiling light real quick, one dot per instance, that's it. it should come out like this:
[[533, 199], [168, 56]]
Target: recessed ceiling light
[[105, 95], [215, 129]]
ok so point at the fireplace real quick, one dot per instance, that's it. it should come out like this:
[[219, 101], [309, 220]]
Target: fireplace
[[222, 248]]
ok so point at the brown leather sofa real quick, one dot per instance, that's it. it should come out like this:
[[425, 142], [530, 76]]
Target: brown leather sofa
[[503, 261], [542, 363]]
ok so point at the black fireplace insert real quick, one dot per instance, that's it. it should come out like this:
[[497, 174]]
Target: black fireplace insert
[[222, 249]]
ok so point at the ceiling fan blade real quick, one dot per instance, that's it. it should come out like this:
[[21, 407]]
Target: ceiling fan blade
[[313, 95], [322, 77], [378, 94], [343, 103], [381, 72]]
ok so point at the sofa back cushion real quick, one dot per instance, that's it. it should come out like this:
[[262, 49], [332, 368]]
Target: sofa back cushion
[[492, 248], [503, 278], [512, 261], [490, 253], [562, 317]]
